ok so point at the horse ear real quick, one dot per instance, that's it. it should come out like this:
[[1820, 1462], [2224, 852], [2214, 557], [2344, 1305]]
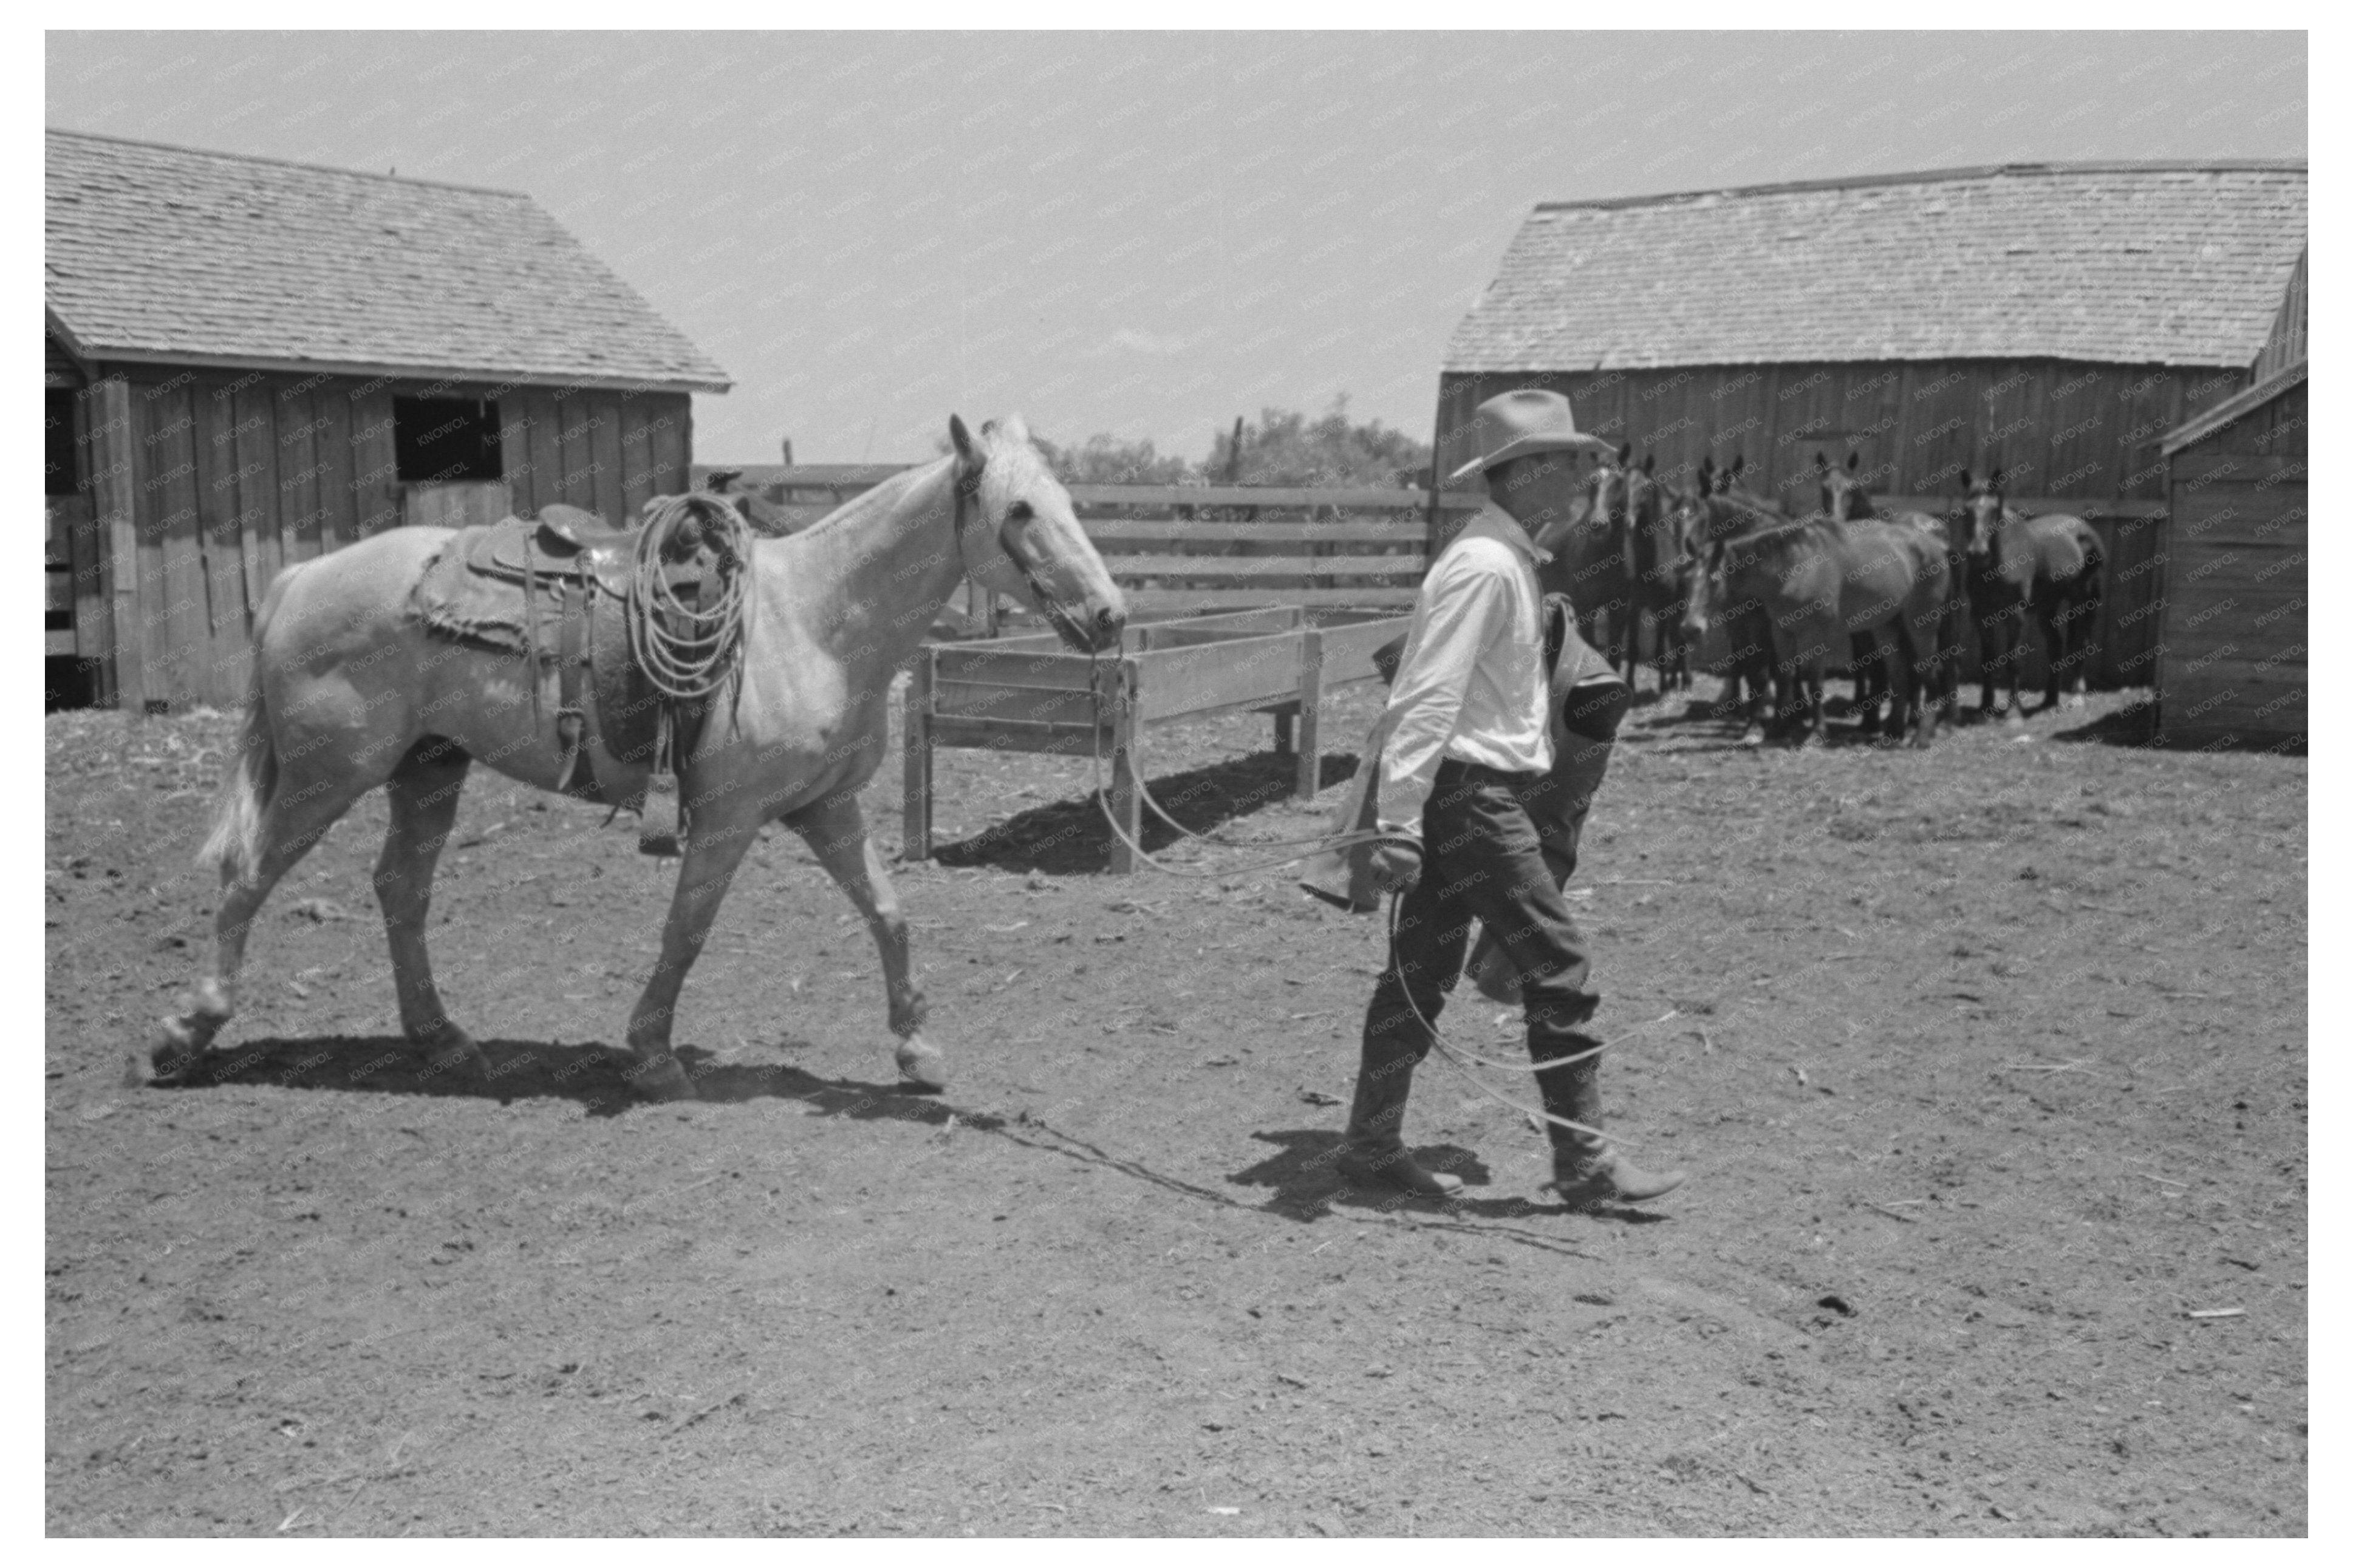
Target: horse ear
[[1965, 479], [1739, 461], [1625, 450], [1853, 461], [1014, 429], [1650, 462], [969, 456], [1821, 462], [1994, 479]]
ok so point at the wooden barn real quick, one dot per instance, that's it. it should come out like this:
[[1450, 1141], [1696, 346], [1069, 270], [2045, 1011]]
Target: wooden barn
[[2055, 319], [2230, 665], [250, 361]]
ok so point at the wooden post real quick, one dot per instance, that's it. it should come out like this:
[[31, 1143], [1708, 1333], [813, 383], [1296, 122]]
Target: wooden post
[[1127, 801], [1282, 732], [113, 485], [1311, 699], [915, 786]]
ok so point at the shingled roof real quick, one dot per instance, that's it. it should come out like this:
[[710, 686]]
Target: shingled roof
[[165, 254], [2120, 263]]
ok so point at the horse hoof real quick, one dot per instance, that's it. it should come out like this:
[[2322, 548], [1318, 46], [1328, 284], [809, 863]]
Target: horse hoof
[[176, 1056], [923, 1065], [662, 1077], [187, 1040]]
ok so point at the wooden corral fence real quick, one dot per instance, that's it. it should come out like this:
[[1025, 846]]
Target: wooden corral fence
[[1195, 548]]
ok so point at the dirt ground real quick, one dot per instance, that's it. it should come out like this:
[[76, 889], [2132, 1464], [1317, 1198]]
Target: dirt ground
[[1987, 1065]]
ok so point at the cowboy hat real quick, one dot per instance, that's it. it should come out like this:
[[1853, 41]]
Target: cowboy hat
[[1515, 424]]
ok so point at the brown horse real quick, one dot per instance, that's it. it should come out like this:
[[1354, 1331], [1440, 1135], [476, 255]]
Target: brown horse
[[1656, 563], [1815, 585], [350, 692], [1588, 553], [2049, 566], [1845, 498], [1605, 580], [1716, 510]]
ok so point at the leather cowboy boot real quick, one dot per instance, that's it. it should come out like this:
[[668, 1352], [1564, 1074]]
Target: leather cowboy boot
[[1376, 1150], [1585, 1170]]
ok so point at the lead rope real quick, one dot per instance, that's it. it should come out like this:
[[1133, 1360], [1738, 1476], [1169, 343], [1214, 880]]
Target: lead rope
[[1319, 842], [1462, 1060]]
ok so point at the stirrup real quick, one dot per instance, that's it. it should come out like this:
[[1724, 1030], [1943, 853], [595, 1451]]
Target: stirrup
[[657, 818]]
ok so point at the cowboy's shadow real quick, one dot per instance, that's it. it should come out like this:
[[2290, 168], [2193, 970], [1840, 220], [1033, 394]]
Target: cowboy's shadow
[[1309, 1186]]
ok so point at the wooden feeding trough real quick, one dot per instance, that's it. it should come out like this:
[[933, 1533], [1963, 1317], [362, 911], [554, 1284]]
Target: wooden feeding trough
[[1032, 694]]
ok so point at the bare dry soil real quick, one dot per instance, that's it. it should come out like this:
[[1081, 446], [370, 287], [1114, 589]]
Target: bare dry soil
[[1988, 1064]]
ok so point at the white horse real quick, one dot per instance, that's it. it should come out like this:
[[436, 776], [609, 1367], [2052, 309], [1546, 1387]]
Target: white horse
[[350, 691]]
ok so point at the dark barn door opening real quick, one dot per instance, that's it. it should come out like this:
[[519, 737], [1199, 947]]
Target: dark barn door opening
[[446, 459], [67, 680]]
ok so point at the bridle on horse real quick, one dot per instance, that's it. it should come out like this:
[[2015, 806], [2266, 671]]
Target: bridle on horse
[[968, 492]]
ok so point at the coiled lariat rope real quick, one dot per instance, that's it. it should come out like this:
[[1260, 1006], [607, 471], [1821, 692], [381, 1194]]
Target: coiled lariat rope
[[686, 650]]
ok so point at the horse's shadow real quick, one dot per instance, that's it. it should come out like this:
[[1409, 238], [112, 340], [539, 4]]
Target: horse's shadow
[[1067, 837], [596, 1076]]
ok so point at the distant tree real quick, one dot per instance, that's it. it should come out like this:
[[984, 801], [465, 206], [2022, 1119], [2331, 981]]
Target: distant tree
[[1286, 449], [1107, 461]]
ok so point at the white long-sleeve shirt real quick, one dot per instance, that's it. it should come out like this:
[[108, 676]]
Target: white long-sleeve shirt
[[1472, 683]]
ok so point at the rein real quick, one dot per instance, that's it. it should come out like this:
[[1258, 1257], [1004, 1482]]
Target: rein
[[1463, 1061]]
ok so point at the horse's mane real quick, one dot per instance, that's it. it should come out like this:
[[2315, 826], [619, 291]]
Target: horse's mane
[[857, 507]]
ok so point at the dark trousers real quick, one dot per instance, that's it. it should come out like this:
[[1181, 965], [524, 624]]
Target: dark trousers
[[1482, 859]]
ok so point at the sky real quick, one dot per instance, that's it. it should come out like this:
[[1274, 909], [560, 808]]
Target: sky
[[1139, 235]]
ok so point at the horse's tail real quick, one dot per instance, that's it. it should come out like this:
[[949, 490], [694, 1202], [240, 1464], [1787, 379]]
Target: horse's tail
[[2094, 573], [252, 776]]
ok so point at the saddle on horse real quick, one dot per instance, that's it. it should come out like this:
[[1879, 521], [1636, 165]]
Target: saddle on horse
[[640, 623]]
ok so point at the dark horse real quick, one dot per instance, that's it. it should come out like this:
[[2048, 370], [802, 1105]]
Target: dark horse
[[1715, 510], [1649, 550], [1589, 561], [1815, 585], [2050, 565]]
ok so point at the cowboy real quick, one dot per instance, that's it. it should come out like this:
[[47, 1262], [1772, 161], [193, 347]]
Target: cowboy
[[1467, 743]]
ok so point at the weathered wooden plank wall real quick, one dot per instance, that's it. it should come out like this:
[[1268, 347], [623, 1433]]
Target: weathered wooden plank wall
[[605, 451], [217, 480], [2232, 662], [2060, 430], [2057, 428]]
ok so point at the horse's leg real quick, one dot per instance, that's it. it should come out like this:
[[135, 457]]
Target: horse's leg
[[423, 791], [297, 815], [835, 830], [1864, 652], [715, 848], [1987, 628], [2014, 654]]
